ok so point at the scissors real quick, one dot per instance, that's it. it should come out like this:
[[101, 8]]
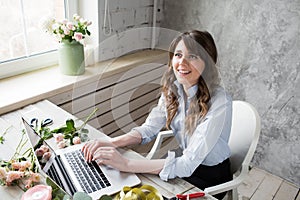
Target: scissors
[[46, 122]]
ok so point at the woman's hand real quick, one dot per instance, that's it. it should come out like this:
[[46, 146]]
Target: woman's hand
[[109, 155], [90, 147]]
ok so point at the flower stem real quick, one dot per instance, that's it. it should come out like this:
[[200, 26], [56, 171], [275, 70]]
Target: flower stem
[[88, 118], [20, 146], [2, 139]]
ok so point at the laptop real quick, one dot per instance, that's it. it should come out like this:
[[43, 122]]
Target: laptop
[[69, 170]]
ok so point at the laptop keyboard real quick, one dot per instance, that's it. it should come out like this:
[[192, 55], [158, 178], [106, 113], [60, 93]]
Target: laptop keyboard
[[89, 175], [52, 173]]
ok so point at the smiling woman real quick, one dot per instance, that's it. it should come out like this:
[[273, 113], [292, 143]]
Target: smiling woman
[[24, 45]]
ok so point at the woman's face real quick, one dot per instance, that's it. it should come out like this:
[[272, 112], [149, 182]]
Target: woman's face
[[187, 66]]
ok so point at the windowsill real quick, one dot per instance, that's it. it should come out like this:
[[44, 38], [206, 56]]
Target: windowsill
[[19, 91]]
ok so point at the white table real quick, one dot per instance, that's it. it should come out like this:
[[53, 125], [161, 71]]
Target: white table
[[45, 109]]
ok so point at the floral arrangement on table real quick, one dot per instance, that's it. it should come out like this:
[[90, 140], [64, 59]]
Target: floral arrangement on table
[[21, 170], [68, 30]]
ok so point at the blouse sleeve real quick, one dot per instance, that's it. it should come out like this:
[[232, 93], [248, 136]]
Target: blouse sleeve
[[154, 122], [209, 138]]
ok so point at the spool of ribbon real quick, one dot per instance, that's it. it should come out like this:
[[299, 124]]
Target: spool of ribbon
[[38, 192], [145, 192]]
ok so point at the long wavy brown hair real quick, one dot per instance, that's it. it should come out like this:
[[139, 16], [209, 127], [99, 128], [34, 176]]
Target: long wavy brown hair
[[200, 43]]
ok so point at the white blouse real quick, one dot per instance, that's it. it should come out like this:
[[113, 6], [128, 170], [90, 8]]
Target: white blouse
[[208, 145]]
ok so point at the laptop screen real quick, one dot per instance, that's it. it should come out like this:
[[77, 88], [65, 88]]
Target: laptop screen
[[34, 139], [32, 135]]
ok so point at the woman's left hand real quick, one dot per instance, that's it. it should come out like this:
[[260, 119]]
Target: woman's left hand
[[110, 156]]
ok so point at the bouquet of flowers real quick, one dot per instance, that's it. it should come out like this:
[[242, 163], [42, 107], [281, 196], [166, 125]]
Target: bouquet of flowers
[[20, 169], [14, 172], [68, 30]]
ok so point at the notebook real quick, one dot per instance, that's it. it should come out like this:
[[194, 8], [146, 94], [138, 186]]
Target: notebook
[[68, 168]]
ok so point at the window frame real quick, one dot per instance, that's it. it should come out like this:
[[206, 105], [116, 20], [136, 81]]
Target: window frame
[[42, 60]]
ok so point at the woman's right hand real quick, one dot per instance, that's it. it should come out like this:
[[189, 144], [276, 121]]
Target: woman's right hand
[[90, 147]]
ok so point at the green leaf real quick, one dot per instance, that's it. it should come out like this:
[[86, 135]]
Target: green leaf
[[60, 194], [84, 137], [81, 196], [67, 136], [70, 124], [67, 197], [105, 197], [51, 183], [57, 192], [60, 130], [47, 134], [88, 32], [84, 130], [1, 139]]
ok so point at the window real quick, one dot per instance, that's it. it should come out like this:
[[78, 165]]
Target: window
[[23, 44]]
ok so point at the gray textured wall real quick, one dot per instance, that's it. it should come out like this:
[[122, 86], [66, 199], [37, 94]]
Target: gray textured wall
[[259, 57]]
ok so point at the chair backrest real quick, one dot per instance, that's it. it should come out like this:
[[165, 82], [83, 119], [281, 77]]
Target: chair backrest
[[244, 134]]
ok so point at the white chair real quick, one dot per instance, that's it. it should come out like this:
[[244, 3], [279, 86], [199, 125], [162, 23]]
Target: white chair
[[243, 140]]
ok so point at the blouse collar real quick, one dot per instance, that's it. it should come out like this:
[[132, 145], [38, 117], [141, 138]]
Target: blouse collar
[[191, 91]]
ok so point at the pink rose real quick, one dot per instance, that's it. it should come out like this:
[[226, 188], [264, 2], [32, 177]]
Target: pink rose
[[61, 145], [35, 177], [13, 175], [76, 140], [58, 137], [78, 36], [64, 21], [66, 31], [24, 165], [39, 152], [3, 173], [16, 165], [70, 26], [29, 184], [21, 166], [46, 157], [45, 148], [76, 17]]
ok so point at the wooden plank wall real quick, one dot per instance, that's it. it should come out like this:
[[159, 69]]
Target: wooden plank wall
[[124, 99]]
